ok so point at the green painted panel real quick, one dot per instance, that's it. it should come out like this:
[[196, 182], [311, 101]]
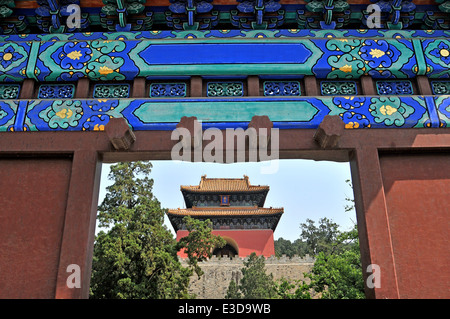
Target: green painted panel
[[154, 112]]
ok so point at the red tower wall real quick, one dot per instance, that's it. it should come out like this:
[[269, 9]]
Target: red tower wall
[[259, 241]]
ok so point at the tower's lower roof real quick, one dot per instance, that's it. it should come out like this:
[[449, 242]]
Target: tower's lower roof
[[225, 211], [252, 217]]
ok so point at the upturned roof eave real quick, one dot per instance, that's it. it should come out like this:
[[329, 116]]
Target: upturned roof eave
[[225, 212]]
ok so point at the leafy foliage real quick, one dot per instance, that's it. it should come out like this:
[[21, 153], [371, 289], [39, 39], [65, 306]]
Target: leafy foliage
[[337, 271], [136, 257], [255, 283], [199, 244], [313, 239], [321, 238], [233, 291], [302, 289], [338, 275], [290, 249]]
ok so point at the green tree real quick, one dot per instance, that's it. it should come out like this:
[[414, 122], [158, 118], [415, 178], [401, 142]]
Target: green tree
[[233, 291], [135, 256], [337, 271], [199, 244], [288, 248], [319, 238], [338, 275], [255, 283], [285, 288]]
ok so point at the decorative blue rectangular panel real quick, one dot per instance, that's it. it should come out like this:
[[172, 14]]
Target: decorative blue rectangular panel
[[225, 89], [338, 88], [224, 200], [168, 90], [56, 91], [111, 91], [229, 53], [9, 91], [394, 87], [282, 88]]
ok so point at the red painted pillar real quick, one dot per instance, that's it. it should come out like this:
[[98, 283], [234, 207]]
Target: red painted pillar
[[33, 197], [403, 210], [47, 222], [373, 224], [77, 242], [417, 195]]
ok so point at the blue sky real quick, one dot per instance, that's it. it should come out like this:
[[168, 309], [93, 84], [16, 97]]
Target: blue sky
[[305, 188]]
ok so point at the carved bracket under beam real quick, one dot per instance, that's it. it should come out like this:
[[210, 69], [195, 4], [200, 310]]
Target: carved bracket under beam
[[329, 131], [120, 134]]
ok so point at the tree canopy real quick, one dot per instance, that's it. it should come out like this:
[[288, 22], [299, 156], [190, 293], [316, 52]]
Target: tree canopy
[[337, 270], [338, 273], [255, 283], [135, 255]]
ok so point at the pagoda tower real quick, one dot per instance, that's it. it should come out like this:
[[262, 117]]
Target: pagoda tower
[[235, 208]]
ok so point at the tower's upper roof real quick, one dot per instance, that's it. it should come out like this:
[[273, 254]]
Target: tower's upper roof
[[224, 185], [235, 213]]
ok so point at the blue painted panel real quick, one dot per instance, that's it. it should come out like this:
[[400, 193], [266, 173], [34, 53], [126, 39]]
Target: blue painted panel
[[432, 111], [8, 114], [216, 53]]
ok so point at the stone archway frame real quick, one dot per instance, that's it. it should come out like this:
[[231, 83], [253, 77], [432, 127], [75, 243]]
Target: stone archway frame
[[372, 153]]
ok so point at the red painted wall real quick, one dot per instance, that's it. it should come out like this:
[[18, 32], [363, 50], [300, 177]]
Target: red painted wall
[[417, 191], [259, 241], [33, 197]]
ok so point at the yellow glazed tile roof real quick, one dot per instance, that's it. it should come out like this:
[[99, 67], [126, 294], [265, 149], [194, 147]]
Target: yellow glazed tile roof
[[225, 211], [224, 185]]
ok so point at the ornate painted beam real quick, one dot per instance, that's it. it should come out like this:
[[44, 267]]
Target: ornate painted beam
[[286, 113], [336, 58], [114, 57]]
